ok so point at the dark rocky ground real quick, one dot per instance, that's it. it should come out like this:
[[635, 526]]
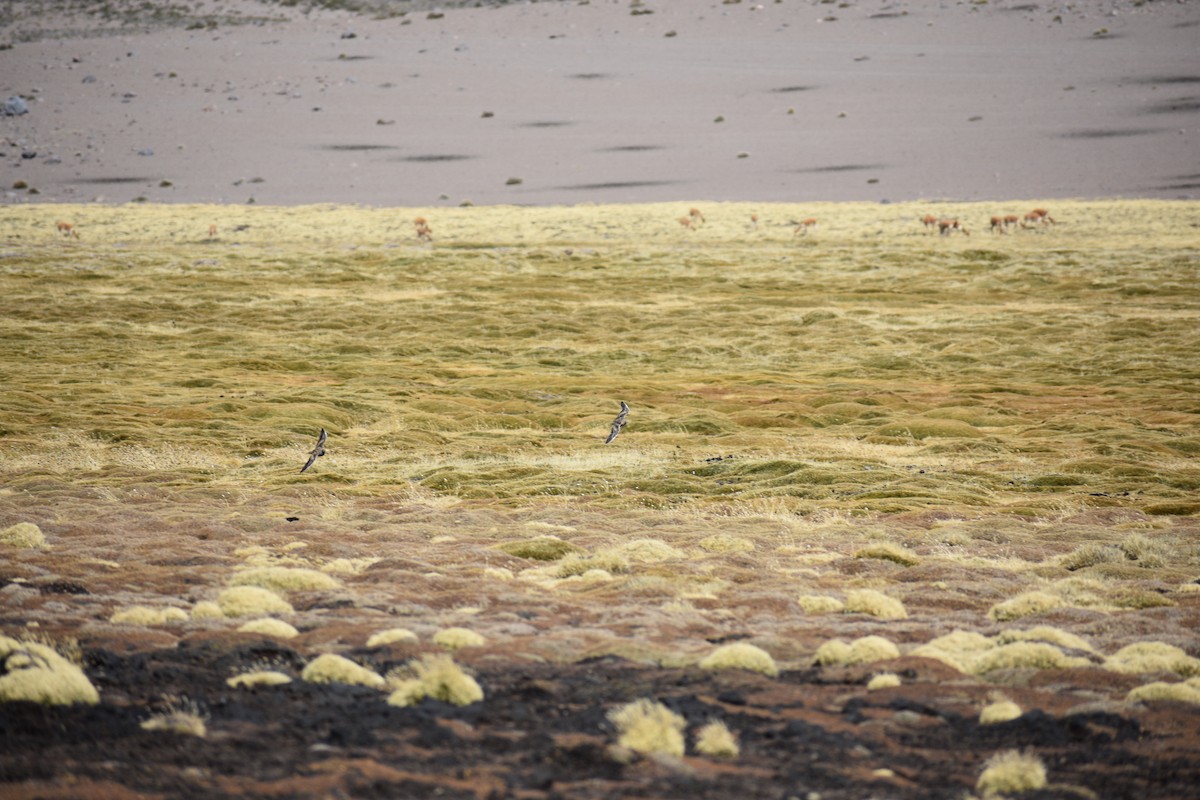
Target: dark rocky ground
[[542, 732]]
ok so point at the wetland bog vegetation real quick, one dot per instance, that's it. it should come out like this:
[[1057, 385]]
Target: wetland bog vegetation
[[870, 430]]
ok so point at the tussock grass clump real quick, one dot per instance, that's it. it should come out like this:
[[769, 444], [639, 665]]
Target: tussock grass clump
[[436, 677], [865, 650], [1025, 655], [1025, 605], [1148, 553], [740, 655], [391, 636], [23, 535], [887, 551], [575, 564], [960, 649], [262, 677], [207, 609], [458, 638], [285, 579], [268, 626], [877, 604], [1147, 657], [38, 673], [145, 615], [717, 741], [884, 680], [332, 668], [1089, 555], [1169, 692], [1046, 633], [646, 726], [726, 543], [649, 551], [252, 601], [999, 711], [1011, 772], [540, 548], [180, 716], [821, 604], [349, 566]]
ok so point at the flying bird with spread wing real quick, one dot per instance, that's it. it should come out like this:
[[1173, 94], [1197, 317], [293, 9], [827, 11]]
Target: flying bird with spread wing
[[618, 423], [317, 451]]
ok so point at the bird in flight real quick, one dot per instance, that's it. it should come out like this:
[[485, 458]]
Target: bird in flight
[[618, 423], [317, 451]]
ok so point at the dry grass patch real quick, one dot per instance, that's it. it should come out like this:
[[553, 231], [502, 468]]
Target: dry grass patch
[[865, 650], [1025, 605], [285, 579], [741, 655], [1166, 692], [147, 616], [887, 551], [884, 680], [268, 626], [649, 727], [999, 711], [23, 535], [332, 668], [262, 677], [250, 601], [821, 604], [392, 636], [717, 741], [1151, 657], [540, 548], [877, 604], [182, 717], [458, 638], [38, 673], [1011, 772], [436, 677]]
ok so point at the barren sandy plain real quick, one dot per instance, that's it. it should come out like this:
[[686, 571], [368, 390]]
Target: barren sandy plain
[[907, 515]]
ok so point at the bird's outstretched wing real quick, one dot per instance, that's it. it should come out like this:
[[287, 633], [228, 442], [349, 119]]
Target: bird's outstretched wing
[[618, 423], [317, 451]]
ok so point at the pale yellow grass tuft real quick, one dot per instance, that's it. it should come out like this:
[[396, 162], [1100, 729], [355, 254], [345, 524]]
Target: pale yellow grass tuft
[[207, 609], [349, 566], [740, 655], [1011, 772], [1170, 692], [38, 673], [1144, 657], [265, 677], [726, 543], [877, 604], [458, 638], [648, 551], [821, 604], [1024, 605], [888, 551], [1046, 633], [884, 680], [1000, 711], [331, 668], [391, 636], [960, 649], [1025, 655], [646, 726], [145, 615], [23, 535], [716, 740], [268, 626], [182, 717], [249, 601], [285, 579], [865, 650], [436, 677]]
